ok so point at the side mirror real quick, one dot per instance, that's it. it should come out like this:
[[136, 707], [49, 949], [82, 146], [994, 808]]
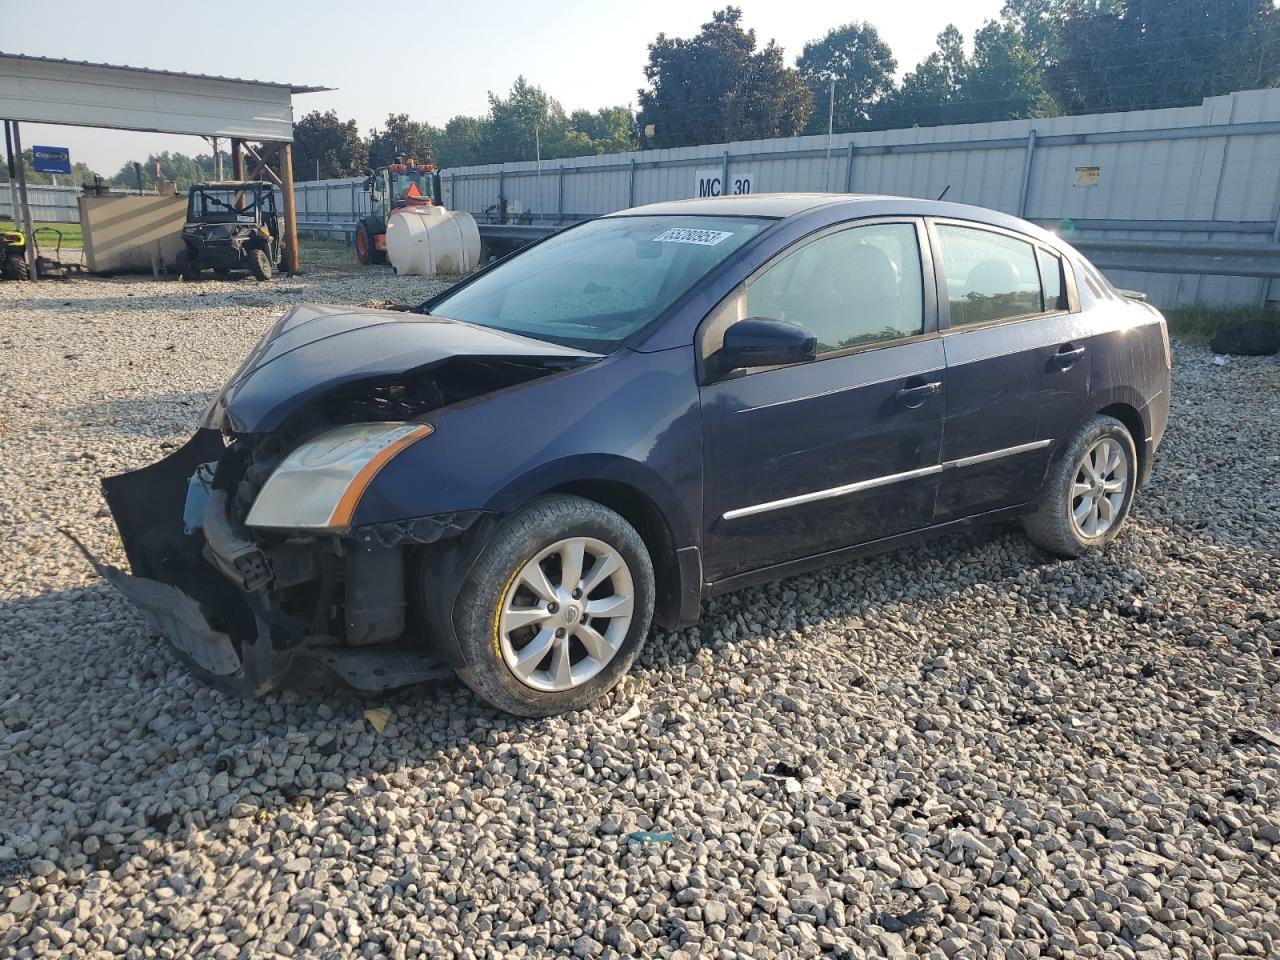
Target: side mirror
[[761, 342]]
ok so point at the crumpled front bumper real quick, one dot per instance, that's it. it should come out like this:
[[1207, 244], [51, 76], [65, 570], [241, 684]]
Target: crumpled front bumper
[[238, 640], [216, 596]]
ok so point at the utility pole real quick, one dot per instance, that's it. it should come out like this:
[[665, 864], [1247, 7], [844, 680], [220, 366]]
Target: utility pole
[[537, 151], [15, 211], [831, 115]]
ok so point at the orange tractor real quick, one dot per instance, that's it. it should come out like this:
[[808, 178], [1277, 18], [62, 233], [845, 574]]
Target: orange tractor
[[392, 187]]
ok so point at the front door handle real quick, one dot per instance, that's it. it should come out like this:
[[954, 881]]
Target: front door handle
[[914, 396], [1067, 356]]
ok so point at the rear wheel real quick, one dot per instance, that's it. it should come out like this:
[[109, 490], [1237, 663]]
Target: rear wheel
[[1089, 490], [556, 607], [14, 268], [260, 264]]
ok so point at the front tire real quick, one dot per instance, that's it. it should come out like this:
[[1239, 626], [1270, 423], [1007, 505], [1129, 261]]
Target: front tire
[[1088, 492], [556, 607], [186, 269], [364, 243], [260, 264]]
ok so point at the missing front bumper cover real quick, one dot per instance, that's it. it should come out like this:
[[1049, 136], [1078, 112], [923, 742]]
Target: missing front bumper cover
[[241, 641], [218, 597]]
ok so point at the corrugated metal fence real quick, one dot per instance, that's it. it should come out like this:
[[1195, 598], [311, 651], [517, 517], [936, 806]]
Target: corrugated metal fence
[[50, 204], [1185, 176], [1195, 174], [331, 202]]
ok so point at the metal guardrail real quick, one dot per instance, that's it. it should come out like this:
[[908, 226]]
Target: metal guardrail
[[343, 230], [1205, 258], [508, 234]]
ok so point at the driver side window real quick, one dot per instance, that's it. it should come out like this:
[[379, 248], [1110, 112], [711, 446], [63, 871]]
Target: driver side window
[[855, 287]]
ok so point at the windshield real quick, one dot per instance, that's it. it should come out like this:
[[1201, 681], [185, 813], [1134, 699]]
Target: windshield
[[226, 205], [593, 286], [411, 184]]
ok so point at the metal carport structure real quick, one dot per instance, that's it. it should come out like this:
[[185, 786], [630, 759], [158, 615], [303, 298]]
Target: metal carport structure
[[78, 93]]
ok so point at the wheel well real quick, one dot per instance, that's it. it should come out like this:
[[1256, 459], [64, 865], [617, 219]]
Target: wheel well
[[639, 511], [1132, 421]]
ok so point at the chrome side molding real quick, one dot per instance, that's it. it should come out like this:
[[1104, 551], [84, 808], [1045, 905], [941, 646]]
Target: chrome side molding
[[883, 481], [996, 454]]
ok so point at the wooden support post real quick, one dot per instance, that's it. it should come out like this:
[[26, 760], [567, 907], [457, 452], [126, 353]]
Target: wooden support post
[[237, 159], [26, 204], [292, 265]]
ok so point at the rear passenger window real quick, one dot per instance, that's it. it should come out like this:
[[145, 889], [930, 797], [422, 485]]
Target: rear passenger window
[[990, 276], [858, 286], [1055, 295]]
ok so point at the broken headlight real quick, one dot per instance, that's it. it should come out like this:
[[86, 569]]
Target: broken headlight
[[319, 484]]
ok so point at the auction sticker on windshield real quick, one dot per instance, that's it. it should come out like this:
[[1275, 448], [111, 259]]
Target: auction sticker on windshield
[[704, 238]]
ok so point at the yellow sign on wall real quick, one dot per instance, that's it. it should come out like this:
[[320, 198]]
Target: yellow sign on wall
[[1087, 176]]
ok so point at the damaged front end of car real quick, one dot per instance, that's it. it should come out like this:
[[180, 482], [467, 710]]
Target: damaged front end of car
[[242, 543]]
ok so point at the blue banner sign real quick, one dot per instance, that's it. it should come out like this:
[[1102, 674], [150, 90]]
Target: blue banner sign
[[51, 159]]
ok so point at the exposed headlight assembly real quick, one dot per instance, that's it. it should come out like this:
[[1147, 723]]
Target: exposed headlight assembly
[[318, 485]]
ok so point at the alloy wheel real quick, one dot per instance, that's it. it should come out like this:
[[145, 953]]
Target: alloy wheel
[[566, 613], [1100, 487]]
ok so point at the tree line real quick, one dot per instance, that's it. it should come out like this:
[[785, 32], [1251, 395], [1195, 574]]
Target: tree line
[[1039, 58]]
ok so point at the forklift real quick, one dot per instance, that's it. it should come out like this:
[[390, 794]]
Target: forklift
[[404, 184]]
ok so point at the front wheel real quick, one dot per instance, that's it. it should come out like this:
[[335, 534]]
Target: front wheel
[[556, 608], [186, 269], [1089, 490], [260, 264], [364, 244]]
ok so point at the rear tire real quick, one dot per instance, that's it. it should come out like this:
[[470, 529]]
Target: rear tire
[[14, 268], [589, 623], [260, 264], [1088, 492]]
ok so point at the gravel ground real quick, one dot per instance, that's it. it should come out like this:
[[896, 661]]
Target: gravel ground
[[958, 750]]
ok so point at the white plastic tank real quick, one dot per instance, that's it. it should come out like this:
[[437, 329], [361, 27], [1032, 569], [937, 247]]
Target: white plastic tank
[[424, 241]]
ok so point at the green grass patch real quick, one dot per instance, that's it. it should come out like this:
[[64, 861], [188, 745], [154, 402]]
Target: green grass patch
[[48, 241], [1206, 321]]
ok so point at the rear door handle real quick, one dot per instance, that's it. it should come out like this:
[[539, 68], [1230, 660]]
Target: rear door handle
[[1067, 356], [914, 396]]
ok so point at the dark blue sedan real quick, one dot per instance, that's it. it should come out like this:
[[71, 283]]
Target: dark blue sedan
[[517, 477]]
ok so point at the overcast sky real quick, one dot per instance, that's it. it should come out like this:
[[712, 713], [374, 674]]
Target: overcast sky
[[429, 60]]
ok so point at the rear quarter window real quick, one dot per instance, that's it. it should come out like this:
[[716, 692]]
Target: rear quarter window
[[990, 276]]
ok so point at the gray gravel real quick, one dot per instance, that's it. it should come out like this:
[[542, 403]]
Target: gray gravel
[[959, 750]]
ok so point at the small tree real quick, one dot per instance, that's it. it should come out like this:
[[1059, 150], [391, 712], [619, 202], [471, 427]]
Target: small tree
[[862, 66], [336, 145], [1003, 81], [929, 92], [610, 129], [718, 86], [463, 142], [400, 138]]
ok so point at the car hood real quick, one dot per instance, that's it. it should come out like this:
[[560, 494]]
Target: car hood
[[315, 348]]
